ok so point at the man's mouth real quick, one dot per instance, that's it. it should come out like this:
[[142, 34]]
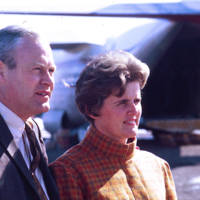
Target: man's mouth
[[44, 93]]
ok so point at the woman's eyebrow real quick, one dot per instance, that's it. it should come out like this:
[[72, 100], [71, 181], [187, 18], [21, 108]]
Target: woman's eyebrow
[[121, 101]]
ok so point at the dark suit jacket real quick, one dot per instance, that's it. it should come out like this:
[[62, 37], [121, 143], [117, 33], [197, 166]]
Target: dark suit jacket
[[15, 179]]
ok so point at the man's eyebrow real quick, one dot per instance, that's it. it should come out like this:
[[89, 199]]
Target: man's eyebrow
[[43, 65], [39, 63]]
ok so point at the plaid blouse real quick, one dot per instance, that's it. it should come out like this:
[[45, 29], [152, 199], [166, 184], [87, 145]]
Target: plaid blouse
[[99, 168]]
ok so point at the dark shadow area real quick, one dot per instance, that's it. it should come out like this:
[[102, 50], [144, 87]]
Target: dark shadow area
[[54, 153], [173, 86]]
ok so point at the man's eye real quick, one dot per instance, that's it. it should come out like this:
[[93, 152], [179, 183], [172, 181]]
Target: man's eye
[[37, 68], [51, 71]]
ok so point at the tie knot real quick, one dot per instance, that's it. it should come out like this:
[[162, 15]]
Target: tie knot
[[32, 141], [28, 127], [30, 133]]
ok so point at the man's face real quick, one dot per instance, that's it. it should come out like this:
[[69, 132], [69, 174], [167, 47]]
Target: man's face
[[119, 116], [30, 84]]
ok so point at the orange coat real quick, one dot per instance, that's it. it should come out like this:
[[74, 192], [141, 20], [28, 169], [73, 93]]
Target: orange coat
[[99, 168]]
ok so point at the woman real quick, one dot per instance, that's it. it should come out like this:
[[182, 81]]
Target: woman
[[107, 164]]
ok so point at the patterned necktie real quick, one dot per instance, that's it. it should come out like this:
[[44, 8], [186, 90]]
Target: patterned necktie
[[35, 161]]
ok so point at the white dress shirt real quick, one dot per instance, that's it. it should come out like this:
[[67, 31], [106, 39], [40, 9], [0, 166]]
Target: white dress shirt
[[16, 126]]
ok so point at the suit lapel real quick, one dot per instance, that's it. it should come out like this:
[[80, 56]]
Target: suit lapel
[[11, 153], [47, 176], [48, 179]]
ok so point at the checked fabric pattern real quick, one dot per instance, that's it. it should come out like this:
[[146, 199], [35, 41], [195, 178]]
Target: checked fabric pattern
[[101, 169]]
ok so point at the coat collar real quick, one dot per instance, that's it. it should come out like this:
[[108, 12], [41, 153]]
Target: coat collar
[[107, 146]]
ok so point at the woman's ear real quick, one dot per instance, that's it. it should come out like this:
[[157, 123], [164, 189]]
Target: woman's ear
[[91, 114]]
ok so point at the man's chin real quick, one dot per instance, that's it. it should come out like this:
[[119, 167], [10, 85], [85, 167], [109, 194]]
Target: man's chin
[[43, 109], [46, 109]]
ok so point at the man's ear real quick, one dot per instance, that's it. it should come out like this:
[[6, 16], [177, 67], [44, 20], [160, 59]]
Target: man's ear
[[2, 69]]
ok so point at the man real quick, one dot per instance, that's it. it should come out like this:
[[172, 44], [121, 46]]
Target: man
[[26, 83]]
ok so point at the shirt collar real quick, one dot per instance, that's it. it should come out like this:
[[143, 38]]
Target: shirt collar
[[13, 121], [97, 141]]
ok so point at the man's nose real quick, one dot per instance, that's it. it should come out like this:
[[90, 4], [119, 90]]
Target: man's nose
[[48, 79]]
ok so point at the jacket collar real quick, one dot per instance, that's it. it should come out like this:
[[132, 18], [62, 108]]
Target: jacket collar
[[95, 140]]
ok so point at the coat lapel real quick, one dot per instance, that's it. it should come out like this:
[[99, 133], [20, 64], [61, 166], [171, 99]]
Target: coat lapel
[[48, 179], [10, 153]]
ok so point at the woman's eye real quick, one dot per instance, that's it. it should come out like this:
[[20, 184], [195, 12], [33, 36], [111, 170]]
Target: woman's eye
[[123, 103], [136, 101]]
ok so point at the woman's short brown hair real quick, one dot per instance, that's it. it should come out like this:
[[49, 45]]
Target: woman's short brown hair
[[105, 74]]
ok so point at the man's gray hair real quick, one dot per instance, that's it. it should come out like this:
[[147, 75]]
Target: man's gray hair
[[10, 38]]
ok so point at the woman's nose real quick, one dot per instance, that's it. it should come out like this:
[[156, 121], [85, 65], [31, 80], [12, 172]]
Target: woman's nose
[[132, 109]]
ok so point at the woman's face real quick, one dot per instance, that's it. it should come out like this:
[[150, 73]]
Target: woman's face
[[119, 116]]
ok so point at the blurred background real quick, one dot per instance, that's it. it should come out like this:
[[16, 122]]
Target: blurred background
[[164, 34]]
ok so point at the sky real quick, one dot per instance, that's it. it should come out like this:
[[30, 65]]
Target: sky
[[62, 29], [68, 5]]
